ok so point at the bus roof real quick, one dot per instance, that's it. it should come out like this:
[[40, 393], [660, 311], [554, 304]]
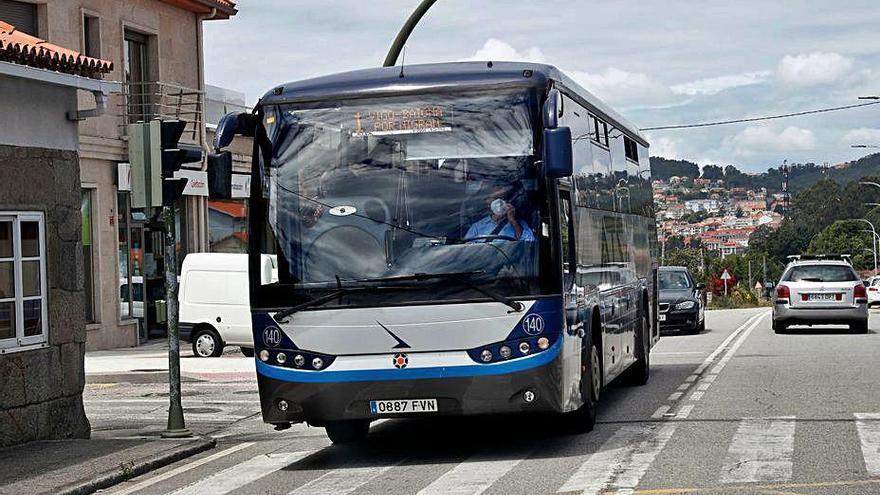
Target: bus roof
[[383, 81]]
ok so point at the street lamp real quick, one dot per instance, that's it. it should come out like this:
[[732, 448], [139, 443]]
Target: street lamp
[[873, 239]]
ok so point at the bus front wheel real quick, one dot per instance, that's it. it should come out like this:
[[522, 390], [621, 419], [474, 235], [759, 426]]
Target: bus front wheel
[[346, 432], [583, 419]]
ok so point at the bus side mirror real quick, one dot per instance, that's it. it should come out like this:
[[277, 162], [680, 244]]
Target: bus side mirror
[[220, 175], [557, 153], [232, 124]]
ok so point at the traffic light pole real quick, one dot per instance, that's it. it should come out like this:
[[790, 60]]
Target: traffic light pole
[[176, 426]]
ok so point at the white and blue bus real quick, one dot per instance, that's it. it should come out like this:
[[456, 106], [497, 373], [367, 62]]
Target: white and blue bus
[[452, 239]]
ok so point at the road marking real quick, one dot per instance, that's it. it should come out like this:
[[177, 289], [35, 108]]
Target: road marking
[[684, 386], [868, 425], [622, 461], [660, 412], [341, 481], [242, 474], [471, 477], [761, 450], [684, 411], [126, 489], [674, 396], [691, 378], [695, 396]]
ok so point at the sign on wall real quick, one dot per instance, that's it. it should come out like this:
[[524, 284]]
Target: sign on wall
[[198, 182], [241, 186], [123, 176]]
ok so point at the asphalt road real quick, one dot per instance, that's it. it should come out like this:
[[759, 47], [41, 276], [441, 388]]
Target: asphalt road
[[736, 409]]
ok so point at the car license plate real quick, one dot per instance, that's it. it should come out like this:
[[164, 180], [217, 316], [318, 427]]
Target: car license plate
[[403, 406], [822, 297], [661, 317]]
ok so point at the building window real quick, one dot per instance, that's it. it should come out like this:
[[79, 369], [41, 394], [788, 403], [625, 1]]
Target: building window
[[22, 280], [20, 14], [137, 76], [91, 35], [88, 239], [631, 149]]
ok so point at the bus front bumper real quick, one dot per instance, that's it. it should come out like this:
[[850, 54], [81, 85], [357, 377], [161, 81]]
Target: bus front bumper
[[317, 403]]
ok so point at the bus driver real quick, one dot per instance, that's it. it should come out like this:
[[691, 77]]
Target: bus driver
[[501, 221]]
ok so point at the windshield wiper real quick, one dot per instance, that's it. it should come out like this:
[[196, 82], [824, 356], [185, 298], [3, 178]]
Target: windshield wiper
[[283, 314], [458, 277]]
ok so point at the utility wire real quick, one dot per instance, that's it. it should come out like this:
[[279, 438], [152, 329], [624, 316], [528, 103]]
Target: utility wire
[[755, 119]]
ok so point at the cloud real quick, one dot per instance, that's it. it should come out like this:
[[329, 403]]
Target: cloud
[[715, 85], [761, 139], [862, 135], [813, 68], [497, 50], [626, 88]]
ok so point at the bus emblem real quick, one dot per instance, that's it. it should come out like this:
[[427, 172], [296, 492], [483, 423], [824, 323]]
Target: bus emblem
[[400, 361], [272, 336], [533, 324]]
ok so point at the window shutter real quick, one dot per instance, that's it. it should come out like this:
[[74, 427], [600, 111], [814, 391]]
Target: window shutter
[[21, 15]]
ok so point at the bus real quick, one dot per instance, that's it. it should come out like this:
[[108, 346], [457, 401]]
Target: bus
[[469, 238]]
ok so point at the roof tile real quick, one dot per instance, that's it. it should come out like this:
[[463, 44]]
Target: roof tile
[[23, 49]]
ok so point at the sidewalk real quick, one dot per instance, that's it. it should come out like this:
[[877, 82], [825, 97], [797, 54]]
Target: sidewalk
[[68, 467]]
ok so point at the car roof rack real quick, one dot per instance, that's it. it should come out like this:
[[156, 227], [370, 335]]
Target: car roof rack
[[820, 257]]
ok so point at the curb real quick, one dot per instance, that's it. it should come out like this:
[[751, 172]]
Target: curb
[[137, 467]]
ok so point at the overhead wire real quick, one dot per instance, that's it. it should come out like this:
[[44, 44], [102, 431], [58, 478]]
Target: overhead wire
[[756, 119]]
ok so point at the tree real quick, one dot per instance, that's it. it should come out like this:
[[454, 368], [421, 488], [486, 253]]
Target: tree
[[713, 172], [688, 257], [845, 237]]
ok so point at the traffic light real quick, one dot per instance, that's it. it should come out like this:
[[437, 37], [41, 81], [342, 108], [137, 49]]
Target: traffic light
[[220, 175], [174, 155]]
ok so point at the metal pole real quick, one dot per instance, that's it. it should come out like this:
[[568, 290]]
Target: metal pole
[[405, 31], [751, 287], [176, 425]]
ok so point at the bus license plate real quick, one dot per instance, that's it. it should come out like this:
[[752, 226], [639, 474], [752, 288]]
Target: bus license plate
[[403, 406], [821, 297]]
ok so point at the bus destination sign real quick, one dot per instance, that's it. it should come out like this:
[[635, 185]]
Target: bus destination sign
[[408, 120]]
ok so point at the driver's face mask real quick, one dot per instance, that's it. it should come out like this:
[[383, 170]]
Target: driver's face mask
[[497, 207]]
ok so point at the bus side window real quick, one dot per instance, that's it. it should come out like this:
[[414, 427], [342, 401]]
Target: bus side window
[[567, 237]]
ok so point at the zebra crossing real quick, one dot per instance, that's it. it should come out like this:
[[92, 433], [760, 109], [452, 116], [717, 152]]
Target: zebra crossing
[[759, 450]]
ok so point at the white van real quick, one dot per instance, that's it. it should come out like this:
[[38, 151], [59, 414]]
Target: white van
[[214, 303]]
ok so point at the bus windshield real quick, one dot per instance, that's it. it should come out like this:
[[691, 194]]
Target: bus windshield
[[367, 190]]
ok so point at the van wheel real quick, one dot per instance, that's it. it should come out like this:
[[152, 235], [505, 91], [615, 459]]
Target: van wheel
[[206, 343], [351, 431], [247, 351]]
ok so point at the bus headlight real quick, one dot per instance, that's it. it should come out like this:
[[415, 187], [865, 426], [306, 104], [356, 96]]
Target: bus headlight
[[264, 355], [317, 363], [524, 347], [543, 343], [504, 351], [486, 355], [299, 360], [281, 358]]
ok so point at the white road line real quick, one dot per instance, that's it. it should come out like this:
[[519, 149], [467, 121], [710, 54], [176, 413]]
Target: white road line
[[761, 450], [471, 477], [674, 396], [242, 474], [691, 378], [684, 386], [703, 386], [695, 396], [622, 460], [126, 489], [660, 412], [868, 425], [341, 481], [684, 411]]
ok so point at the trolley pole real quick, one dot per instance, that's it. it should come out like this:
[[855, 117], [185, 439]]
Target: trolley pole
[[176, 427], [405, 31]]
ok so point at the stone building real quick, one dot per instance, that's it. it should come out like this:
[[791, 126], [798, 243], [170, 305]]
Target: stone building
[[42, 326], [156, 48]]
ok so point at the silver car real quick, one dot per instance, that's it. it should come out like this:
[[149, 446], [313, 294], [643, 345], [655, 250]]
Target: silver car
[[819, 290]]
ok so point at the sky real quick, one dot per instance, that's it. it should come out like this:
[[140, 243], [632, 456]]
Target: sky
[[656, 62]]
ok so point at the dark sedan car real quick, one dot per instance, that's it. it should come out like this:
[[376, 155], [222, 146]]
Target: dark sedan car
[[681, 305]]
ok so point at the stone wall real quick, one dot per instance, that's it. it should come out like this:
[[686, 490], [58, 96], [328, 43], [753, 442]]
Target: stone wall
[[41, 389]]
